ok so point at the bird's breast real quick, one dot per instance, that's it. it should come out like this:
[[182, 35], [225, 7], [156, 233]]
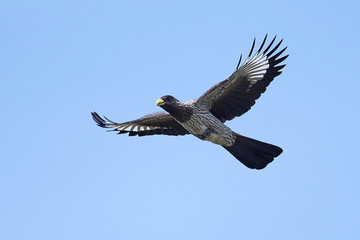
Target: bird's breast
[[207, 127]]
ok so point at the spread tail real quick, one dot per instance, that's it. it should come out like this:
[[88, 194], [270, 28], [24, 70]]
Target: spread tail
[[253, 153]]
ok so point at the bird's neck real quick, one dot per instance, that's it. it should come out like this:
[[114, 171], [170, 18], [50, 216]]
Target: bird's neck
[[179, 112]]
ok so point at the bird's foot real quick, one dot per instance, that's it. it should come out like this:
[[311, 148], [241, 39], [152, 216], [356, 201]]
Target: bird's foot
[[205, 134]]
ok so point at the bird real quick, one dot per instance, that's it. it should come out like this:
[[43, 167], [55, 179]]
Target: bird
[[205, 116]]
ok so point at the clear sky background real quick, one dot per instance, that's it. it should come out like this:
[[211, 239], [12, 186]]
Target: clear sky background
[[62, 177]]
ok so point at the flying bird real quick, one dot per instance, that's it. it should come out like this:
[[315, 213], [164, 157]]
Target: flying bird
[[204, 117]]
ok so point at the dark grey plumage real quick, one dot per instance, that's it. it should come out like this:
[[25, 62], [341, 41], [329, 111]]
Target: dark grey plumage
[[204, 117]]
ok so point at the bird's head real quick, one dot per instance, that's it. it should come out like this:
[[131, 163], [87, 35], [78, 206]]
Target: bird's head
[[173, 106], [166, 101]]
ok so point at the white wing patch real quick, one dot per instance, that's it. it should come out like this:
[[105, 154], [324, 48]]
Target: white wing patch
[[137, 128], [254, 69]]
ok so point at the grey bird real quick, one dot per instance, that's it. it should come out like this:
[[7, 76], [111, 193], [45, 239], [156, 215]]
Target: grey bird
[[204, 117]]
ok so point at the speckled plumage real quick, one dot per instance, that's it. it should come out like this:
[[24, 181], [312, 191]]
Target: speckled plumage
[[204, 125]]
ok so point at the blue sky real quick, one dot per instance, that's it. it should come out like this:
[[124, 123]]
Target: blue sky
[[62, 177]]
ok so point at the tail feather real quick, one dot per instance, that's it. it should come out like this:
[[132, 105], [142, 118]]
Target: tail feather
[[253, 153]]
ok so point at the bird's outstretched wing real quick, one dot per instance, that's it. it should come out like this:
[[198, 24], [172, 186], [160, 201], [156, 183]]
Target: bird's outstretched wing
[[237, 94], [151, 124]]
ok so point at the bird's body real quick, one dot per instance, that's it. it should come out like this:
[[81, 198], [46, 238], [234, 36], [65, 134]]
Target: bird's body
[[204, 117], [207, 127], [204, 125]]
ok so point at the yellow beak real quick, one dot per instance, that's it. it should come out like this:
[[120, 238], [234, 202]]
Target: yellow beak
[[160, 102]]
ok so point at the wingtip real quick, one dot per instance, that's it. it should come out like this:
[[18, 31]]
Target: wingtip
[[108, 120], [262, 44], [237, 66], [99, 121], [270, 44], [252, 47]]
